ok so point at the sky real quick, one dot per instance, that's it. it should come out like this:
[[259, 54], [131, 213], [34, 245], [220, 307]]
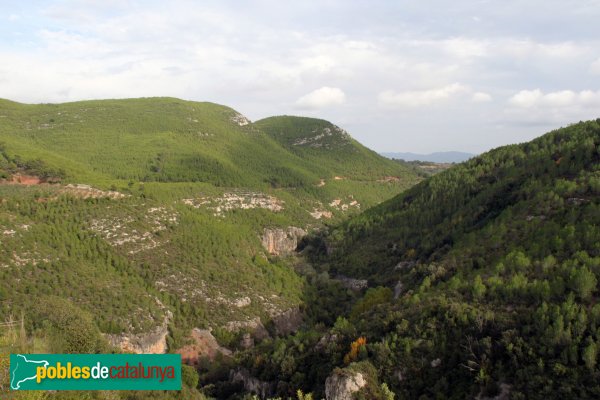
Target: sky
[[420, 76]]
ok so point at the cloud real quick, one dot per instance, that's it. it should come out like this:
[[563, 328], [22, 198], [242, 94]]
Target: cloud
[[559, 99], [552, 109], [526, 98], [481, 97], [260, 57], [321, 98], [595, 67], [419, 98], [465, 48]]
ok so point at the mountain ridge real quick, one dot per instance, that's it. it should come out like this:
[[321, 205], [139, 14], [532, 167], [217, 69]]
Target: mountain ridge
[[436, 157]]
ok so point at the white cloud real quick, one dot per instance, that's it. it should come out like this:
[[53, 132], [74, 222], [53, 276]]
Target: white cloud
[[321, 98], [559, 99], [481, 97], [418, 98], [589, 98], [595, 67], [259, 58], [465, 47], [537, 108], [515, 48], [526, 98], [321, 63]]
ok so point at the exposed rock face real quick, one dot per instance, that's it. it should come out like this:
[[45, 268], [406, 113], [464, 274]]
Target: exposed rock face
[[255, 326], [251, 384], [287, 322], [242, 302], [278, 241], [240, 119], [320, 213], [327, 340], [26, 179], [236, 200], [319, 138], [404, 265], [398, 289], [351, 283], [154, 342], [342, 385], [204, 345]]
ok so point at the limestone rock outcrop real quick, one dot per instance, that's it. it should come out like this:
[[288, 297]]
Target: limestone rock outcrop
[[251, 384], [281, 242], [154, 342], [342, 385], [288, 321]]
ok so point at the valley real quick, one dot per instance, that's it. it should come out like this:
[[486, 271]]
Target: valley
[[152, 219], [282, 255], [322, 200]]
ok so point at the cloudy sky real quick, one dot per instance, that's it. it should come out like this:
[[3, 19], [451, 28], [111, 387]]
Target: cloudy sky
[[418, 76]]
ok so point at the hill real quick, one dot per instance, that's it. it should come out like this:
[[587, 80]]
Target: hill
[[322, 143], [482, 283], [171, 140], [438, 157], [150, 217]]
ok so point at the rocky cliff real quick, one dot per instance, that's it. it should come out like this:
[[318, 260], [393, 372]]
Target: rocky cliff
[[280, 242], [202, 344], [342, 384], [288, 321], [154, 342], [251, 384]]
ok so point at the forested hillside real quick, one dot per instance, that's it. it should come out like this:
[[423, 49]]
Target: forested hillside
[[134, 219], [482, 283], [147, 218], [171, 140], [328, 146]]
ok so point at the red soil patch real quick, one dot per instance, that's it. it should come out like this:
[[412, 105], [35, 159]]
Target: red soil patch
[[203, 344], [26, 179]]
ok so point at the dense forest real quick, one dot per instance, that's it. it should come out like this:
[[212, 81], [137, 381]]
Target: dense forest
[[482, 283]]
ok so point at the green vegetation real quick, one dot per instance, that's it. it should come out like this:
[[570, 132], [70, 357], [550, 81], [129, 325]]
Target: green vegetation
[[425, 168], [14, 339], [483, 278], [124, 216], [329, 148], [494, 266], [162, 245], [171, 140]]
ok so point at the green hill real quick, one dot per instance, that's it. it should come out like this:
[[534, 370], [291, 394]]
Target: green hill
[[125, 217], [164, 140], [483, 282], [141, 212], [171, 140], [524, 185], [328, 146]]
